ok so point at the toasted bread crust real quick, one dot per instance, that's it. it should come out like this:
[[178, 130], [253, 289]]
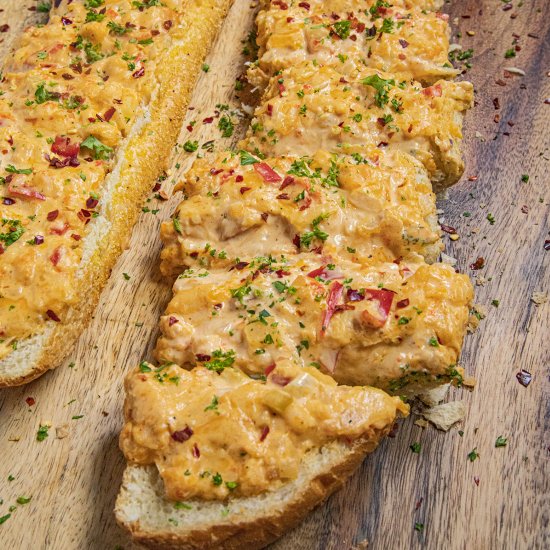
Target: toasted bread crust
[[145, 156], [265, 528]]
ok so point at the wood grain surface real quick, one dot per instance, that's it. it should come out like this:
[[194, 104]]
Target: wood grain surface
[[500, 500]]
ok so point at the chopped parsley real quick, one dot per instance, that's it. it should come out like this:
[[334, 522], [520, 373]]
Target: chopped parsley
[[99, 150], [415, 447], [213, 405], [381, 86], [501, 441], [247, 158], [473, 454], [220, 360], [190, 146], [226, 126], [42, 432], [15, 230], [342, 29]]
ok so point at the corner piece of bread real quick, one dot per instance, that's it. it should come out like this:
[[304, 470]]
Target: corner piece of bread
[[249, 523]]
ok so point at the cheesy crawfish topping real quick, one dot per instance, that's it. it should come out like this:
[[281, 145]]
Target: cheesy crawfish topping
[[214, 435], [410, 44], [310, 107], [379, 207], [396, 326], [70, 95]]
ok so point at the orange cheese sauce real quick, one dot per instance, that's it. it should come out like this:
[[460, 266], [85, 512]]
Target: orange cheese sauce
[[377, 207], [70, 95], [213, 435], [351, 36], [398, 327]]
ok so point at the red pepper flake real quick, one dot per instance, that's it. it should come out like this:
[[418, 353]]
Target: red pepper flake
[[189, 128], [404, 43], [402, 303], [497, 118], [208, 120], [62, 146], [241, 265], [108, 115], [296, 241], [507, 7], [304, 5], [139, 73], [196, 452], [7, 201], [202, 357], [172, 321], [394, 429], [91, 203], [269, 109], [30, 401], [282, 273], [500, 82], [472, 178], [496, 103], [66, 21], [25, 191], [448, 229], [4, 28], [335, 293], [524, 209], [478, 264], [476, 480], [239, 178], [384, 299], [268, 174], [51, 216], [264, 216], [182, 435], [38, 239], [167, 25], [283, 197], [76, 237], [547, 245], [524, 377], [280, 380], [265, 431], [418, 503], [269, 369], [56, 256], [52, 315]]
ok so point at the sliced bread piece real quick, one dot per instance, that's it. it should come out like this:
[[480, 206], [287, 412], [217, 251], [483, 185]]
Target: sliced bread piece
[[221, 460]]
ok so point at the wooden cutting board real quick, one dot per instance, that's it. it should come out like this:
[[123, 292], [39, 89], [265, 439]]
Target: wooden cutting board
[[500, 500]]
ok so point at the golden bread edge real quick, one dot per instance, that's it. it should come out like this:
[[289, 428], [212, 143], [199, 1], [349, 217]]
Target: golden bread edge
[[267, 527]]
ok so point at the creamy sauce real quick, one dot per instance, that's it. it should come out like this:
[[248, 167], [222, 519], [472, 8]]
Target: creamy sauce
[[379, 207], [218, 435], [383, 324], [70, 92], [309, 107], [409, 44]]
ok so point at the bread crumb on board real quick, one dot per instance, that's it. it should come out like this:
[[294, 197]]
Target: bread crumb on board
[[539, 298], [444, 416]]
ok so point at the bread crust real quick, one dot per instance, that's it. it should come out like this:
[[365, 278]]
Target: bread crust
[[145, 156], [267, 528]]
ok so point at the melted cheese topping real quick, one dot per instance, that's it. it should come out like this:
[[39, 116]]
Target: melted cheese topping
[[311, 107], [379, 207], [394, 326], [218, 435], [70, 95], [409, 44]]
